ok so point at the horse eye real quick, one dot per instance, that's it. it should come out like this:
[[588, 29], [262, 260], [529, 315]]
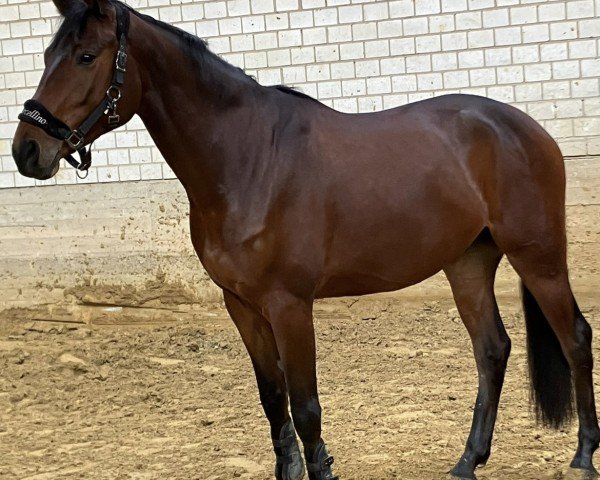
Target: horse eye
[[86, 59]]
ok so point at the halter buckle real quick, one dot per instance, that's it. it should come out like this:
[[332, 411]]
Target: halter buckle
[[75, 140], [121, 61], [114, 120]]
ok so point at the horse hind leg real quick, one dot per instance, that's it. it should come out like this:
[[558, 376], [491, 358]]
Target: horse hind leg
[[472, 280], [559, 348]]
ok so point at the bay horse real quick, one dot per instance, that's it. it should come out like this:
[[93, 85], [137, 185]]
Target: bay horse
[[291, 201]]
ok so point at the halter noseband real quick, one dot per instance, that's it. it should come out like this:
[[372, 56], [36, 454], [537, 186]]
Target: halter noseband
[[36, 114]]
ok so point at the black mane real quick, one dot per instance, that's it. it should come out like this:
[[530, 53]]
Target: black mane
[[75, 21]]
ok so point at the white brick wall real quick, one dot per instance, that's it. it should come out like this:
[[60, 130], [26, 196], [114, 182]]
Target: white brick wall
[[354, 55]]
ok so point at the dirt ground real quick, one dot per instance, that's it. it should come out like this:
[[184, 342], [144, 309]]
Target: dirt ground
[[177, 400]]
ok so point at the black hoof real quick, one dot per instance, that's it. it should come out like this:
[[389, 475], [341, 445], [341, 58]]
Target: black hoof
[[289, 464], [462, 472], [581, 473]]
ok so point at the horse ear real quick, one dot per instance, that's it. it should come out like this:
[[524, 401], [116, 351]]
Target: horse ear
[[99, 7], [63, 6]]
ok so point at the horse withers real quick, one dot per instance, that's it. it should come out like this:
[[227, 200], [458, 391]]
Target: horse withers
[[292, 201]]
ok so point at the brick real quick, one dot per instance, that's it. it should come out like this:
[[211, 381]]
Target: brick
[[265, 41], [430, 81], [377, 48], [553, 51], [580, 9], [215, 10], [563, 30], [350, 14], [390, 28], [379, 85], [367, 68], [342, 33], [569, 108], [392, 66], [269, 76], [495, 18], [401, 8], [480, 38], [370, 104], [354, 88], [375, 11], [303, 19], [502, 93], [568, 69], [289, 38], [364, 31], [401, 46], [262, 6], [415, 26], [253, 23], [444, 61], [293, 75], [508, 36], [551, 12], [418, 63], [482, 76], [454, 5], [582, 49], [510, 74], [441, 23], [523, 15], [349, 51], [479, 4], [526, 54], [7, 180], [528, 92], [454, 41], [344, 70], [470, 59], [314, 36], [536, 33], [589, 28], [404, 83], [230, 26], [347, 105], [585, 88], [541, 110], [590, 68], [326, 16], [278, 58], [498, 56], [238, 7], [542, 71], [556, 90], [394, 100], [468, 20], [318, 72], [429, 43], [427, 7]]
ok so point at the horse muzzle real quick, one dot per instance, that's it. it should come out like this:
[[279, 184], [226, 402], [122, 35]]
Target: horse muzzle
[[34, 160]]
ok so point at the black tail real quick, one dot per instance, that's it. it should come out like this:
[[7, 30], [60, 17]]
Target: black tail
[[549, 371]]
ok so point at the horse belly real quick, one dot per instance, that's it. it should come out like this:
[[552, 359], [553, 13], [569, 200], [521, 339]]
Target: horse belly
[[385, 244]]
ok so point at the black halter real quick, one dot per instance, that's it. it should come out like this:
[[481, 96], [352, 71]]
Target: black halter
[[36, 114]]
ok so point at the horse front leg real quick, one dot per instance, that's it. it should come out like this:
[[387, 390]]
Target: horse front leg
[[260, 343], [292, 323]]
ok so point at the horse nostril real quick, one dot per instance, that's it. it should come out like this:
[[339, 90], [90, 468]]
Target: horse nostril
[[29, 152]]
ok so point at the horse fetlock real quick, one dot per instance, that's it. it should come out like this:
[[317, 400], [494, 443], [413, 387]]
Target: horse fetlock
[[289, 464]]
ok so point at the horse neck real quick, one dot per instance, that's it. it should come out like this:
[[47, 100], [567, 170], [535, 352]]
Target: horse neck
[[197, 121]]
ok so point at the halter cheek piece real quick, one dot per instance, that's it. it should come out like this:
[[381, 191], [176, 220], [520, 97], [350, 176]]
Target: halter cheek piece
[[36, 114]]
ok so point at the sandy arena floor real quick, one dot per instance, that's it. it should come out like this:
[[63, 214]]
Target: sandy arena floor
[[178, 400]]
